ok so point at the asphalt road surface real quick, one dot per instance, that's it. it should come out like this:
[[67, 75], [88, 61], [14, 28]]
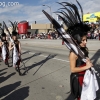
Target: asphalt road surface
[[46, 73]]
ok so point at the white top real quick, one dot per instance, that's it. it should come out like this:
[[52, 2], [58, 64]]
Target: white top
[[90, 86]]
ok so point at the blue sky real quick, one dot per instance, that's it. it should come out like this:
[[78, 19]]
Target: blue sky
[[31, 10]]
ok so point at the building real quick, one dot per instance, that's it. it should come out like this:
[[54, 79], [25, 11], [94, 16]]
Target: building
[[37, 28], [92, 17], [42, 28]]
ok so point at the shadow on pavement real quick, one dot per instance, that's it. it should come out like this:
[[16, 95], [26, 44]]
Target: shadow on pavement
[[2, 73], [43, 61], [19, 94], [8, 88], [28, 58], [3, 69], [95, 58], [25, 52], [2, 79], [39, 63], [36, 54]]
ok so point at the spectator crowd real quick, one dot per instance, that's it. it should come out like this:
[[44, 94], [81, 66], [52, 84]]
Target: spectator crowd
[[94, 33]]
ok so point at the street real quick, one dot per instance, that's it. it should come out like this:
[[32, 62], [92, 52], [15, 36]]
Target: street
[[48, 71]]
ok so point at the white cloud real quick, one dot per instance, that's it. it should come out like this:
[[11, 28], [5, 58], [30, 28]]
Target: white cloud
[[91, 6], [87, 5], [21, 12], [10, 9], [43, 1], [34, 13]]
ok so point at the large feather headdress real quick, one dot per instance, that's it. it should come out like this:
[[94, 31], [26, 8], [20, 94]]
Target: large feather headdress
[[2, 31], [72, 18], [14, 27]]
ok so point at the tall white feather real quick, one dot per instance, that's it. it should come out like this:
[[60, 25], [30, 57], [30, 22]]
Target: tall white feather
[[15, 55], [4, 52]]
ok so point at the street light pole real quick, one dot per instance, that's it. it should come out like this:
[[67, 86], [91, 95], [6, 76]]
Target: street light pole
[[50, 13], [49, 8]]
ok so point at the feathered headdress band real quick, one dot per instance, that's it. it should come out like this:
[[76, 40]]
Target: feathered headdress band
[[14, 26], [2, 31], [72, 18]]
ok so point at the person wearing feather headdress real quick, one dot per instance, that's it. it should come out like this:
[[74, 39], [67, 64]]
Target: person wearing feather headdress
[[4, 44], [78, 30], [0, 50], [75, 38], [83, 81], [15, 46]]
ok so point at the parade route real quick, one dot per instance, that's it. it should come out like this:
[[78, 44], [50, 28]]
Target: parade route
[[48, 71]]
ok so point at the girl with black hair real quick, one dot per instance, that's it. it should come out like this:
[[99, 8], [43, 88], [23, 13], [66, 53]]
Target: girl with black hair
[[0, 51], [4, 44], [77, 29], [78, 67], [17, 45]]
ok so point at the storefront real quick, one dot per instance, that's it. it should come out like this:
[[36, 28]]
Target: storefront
[[91, 17]]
